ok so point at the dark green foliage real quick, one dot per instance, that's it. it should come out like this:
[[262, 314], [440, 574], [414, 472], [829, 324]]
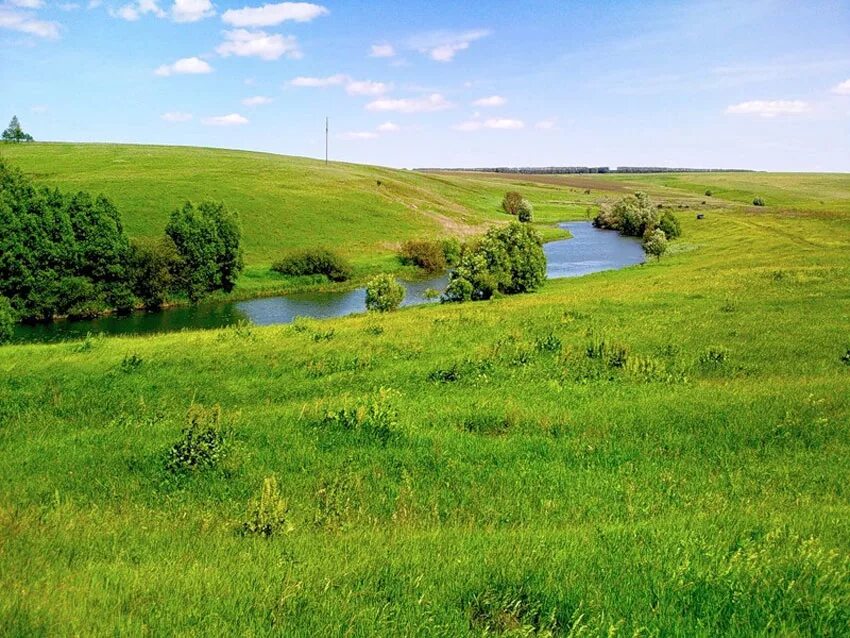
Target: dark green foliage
[[451, 250], [14, 132], [154, 266], [315, 261], [669, 223], [632, 215], [207, 238], [758, 201], [131, 363], [525, 211], [7, 320], [203, 444], [708, 193], [60, 254], [508, 260], [511, 202], [845, 358], [383, 293], [428, 255]]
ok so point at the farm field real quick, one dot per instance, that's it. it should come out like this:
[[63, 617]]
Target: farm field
[[660, 450]]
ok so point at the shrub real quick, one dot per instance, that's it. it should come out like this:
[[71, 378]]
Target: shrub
[[525, 211], [669, 223], [383, 293], [451, 250], [268, 513], [845, 358], [154, 266], [508, 260], [632, 215], [428, 255], [315, 261], [203, 444], [7, 320], [708, 192], [655, 243], [511, 202], [758, 201]]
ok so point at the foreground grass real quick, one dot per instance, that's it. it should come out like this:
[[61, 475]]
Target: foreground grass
[[700, 488]]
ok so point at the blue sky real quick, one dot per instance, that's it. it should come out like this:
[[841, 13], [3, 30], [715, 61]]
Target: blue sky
[[761, 84]]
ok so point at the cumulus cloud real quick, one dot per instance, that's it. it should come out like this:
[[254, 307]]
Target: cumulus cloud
[[843, 88], [176, 116], [271, 14], [134, 10], [232, 119], [366, 87], [331, 80], [428, 103], [191, 10], [260, 44], [27, 4], [389, 127], [769, 108], [25, 22], [382, 51], [494, 123], [183, 66], [492, 100], [352, 86], [257, 100], [442, 46]]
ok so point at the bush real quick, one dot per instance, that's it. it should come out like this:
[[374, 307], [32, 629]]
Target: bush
[[655, 243], [758, 201], [267, 514], [508, 260], [315, 261], [511, 202], [708, 192], [7, 320], [669, 223], [428, 255], [154, 266], [383, 293], [207, 238], [632, 215], [525, 211], [203, 444], [451, 250]]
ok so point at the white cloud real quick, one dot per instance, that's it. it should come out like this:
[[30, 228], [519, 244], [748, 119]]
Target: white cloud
[[27, 4], [265, 46], [769, 108], [271, 14], [94, 4], [232, 119], [545, 125], [359, 135], [842, 88], [184, 66], [494, 123], [366, 87], [388, 127], [331, 80], [433, 102], [257, 100], [442, 46], [26, 23], [176, 116], [492, 100], [382, 51], [134, 10], [191, 10]]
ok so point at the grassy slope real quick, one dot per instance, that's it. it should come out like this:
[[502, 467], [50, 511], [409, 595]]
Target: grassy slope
[[676, 497]]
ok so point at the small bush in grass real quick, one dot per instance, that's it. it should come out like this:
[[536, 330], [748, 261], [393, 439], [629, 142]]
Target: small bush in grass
[[708, 192], [511, 202], [549, 343], [314, 261], [525, 211], [655, 243], [758, 201], [267, 513], [131, 363], [7, 320], [383, 293], [375, 417], [428, 255], [845, 359], [203, 444]]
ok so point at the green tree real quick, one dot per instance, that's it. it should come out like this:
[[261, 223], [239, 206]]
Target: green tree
[[383, 293], [7, 320], [655, 243], [525, 211], [669, 223], [632, 215], [153, 267], [14, 132]]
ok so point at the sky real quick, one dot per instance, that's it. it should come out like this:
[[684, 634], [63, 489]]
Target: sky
[[759, 84]]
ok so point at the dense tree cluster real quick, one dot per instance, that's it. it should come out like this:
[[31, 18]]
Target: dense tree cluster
[[634, 215], [507, 260], [68, 254], [315, 261]]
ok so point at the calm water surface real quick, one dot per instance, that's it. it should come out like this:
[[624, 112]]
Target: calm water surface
[[589, 250]]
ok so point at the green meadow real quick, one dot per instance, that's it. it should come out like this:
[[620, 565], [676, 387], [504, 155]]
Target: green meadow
[[662, 450]]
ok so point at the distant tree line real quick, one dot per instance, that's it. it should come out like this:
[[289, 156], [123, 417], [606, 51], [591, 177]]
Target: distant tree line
[[14, 132], [66, 254], [577, 170]]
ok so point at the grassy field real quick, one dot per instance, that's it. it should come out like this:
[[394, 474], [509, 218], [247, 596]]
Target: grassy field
[[506, 474]]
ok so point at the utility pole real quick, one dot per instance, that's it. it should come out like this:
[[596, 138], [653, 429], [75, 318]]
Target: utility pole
[[326, 141]]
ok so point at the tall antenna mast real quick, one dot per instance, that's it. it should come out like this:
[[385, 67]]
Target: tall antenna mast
[[326, 141]]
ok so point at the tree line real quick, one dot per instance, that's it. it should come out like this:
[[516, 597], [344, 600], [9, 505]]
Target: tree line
[[67, 254], [578, 170]]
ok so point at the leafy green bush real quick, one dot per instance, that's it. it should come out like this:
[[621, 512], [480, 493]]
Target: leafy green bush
[[758, 201], [203, 444], [267, 513], [655, 243], [383, 293], [511, 202], [154, 267], [708, 192], [315, 261], [632, 215], [451, 250], [670, 224], [525, 211], [428, 255], [7, 320], [508, 260]]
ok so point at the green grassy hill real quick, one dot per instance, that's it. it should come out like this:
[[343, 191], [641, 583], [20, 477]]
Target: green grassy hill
[[498, 471]]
